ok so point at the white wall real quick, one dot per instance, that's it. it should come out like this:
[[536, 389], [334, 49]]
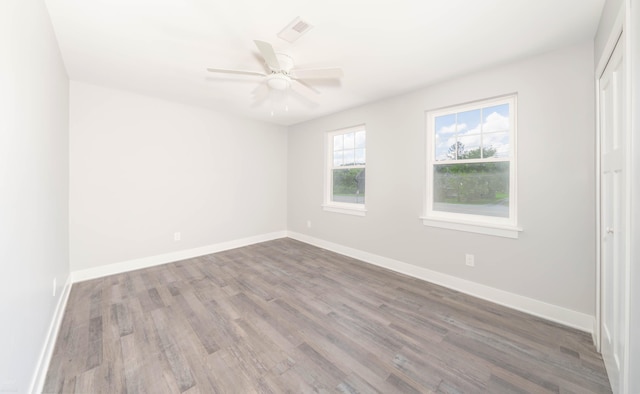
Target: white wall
[[34, 112], [143, 168], [553, 261]]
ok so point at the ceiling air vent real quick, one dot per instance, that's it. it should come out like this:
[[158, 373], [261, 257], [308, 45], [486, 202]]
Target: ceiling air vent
[[294, 30]]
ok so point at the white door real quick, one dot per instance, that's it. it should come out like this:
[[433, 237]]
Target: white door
[[613, 317]]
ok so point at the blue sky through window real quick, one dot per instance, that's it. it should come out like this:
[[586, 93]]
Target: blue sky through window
[[483, 127]]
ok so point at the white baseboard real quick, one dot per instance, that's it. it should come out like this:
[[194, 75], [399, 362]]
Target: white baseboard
[[37, 382], [564, 316], [130, 265], [594, 334], [558, 314]]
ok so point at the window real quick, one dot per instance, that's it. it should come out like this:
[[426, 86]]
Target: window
[[471, 167], [345, 171]]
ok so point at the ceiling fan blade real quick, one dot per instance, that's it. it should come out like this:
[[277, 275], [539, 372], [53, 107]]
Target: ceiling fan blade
[[317, 73], [305, 84], [304, 95], [304, 90], [269, 55], [242, 72]]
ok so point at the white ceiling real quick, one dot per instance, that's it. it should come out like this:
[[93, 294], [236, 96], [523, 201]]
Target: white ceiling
[[163, 47]]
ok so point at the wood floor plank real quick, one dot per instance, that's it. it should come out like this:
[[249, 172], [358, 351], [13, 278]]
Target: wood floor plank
[[286, 317], [404, 386], [172, 351]]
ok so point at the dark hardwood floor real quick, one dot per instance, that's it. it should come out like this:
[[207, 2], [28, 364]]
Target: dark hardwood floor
[[284, 316]]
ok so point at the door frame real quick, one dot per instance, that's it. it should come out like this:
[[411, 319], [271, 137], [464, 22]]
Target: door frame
[[619, 30]]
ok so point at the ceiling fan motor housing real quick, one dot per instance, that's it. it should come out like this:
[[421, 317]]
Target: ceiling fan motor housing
[[278, 81], [285, 61]]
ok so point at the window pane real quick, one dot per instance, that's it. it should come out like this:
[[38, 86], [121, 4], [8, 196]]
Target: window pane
[[496, 144], [476, 189], [348, 185], [337, 142], [455, 151], [337, 159], [442, 149], [446, 124], [445, 132], [469, 147], [360, 139], [349, 140], [360, 157], [349, 157], [468, 122], [495, 118]]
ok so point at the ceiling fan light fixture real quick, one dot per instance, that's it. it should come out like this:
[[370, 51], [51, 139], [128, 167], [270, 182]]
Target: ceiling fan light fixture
[[283, 76], [278, 81]]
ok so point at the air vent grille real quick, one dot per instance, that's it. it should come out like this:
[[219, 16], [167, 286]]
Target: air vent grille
[[301, 27], [294, 30]]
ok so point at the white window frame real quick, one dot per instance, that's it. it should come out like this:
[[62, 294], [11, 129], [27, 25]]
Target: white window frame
[[497, 226], [328, 204]]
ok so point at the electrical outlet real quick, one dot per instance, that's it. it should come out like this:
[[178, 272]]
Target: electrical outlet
[[308, 223], [55, 286], [469, 260], [176, 236]]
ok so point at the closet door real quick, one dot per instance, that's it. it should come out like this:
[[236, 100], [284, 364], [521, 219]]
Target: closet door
[[613, 192]]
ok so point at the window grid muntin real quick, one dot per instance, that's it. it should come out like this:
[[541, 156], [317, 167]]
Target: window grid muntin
[[433, 159], [481, 133], [331, 167]]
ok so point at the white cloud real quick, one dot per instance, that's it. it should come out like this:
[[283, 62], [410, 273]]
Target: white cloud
[[450, 129], [498, 141], [496, 122]]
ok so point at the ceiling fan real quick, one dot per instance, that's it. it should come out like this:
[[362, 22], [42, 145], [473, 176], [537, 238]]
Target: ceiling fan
[[283, 75]]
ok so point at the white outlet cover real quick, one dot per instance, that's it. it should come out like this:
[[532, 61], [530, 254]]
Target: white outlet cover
[[469, 260]]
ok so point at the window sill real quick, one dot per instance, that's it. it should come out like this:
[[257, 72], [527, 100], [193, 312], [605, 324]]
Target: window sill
[[484, 228], [345, 209]]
